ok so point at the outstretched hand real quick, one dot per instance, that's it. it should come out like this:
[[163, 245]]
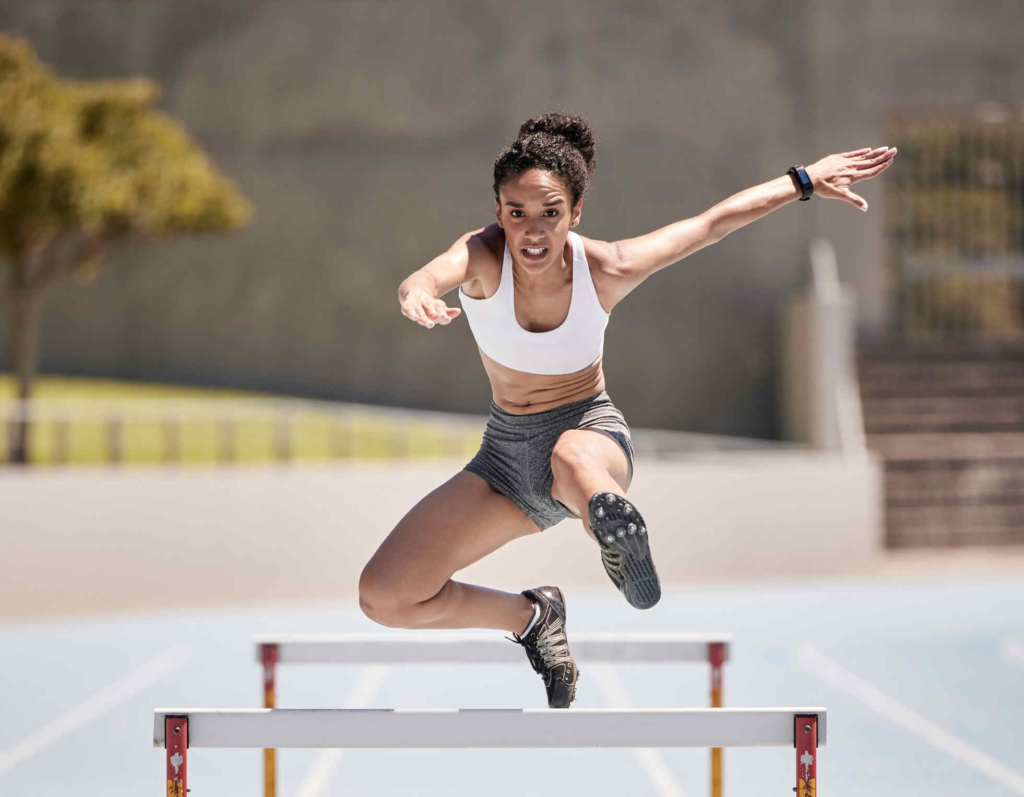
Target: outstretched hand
[[424, 309], [833, 175]]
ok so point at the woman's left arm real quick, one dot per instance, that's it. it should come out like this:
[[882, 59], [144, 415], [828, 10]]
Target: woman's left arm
[[632, 261]]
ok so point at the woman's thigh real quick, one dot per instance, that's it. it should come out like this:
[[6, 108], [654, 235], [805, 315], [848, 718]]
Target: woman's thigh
[[453, 526], [578, 456]]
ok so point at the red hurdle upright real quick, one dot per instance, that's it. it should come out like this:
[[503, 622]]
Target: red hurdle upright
[[716, 657], [176, 743], [268, 656], [805, 739]]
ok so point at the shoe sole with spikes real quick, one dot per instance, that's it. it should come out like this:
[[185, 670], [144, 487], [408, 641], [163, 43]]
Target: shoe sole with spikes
[[626, 551]]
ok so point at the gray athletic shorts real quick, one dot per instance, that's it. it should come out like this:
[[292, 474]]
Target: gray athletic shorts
[[515, 456]]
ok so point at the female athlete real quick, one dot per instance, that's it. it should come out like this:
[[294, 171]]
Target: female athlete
[[537, 297]]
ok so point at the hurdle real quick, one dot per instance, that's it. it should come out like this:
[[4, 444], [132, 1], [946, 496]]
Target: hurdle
[[177, 730], [461, 648]]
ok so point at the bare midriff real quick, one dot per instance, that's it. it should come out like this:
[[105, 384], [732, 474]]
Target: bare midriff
[[521, 393]]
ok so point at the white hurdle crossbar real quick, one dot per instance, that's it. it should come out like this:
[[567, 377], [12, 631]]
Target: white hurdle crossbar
[[462, 648], [436, 648], [178, 729]]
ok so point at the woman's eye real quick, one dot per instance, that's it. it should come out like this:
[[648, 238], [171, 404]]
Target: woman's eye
[[515, 214], [552, 212]]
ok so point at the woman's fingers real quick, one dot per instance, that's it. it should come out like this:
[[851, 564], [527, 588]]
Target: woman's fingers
[[868, 162], [440, 312], [866, 152], [852, 198], [430, 312], [443, 312], [864, 155], [881, 167], [873, 171], [871, 160], [833, 175], [415, 313]]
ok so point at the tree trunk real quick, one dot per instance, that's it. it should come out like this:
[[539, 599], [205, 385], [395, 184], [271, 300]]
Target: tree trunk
[[24, 353]]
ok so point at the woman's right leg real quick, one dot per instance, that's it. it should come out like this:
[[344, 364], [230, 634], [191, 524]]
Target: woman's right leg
[[407, 583]]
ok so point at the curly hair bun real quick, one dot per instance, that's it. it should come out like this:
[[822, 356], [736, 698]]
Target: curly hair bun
[[556, 142], [574, 129]]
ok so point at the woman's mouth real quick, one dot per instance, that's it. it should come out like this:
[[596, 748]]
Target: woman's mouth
[[531, 253]]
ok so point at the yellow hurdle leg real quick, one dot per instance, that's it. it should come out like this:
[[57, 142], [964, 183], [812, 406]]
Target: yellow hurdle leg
[[269, 772], [716, 752]]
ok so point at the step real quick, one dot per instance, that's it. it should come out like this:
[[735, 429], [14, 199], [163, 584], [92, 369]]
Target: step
[[941, 379], [948, 447], [943, 483], [947, 351], [964, 524], [948, 418], [943, 413]]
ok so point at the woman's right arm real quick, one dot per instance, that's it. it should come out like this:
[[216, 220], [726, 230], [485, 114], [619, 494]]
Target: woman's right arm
[[420, 293]]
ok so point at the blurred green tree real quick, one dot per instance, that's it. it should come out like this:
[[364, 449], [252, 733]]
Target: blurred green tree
[[83, 166]]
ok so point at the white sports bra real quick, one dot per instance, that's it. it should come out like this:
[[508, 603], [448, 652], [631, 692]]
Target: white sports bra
[[571, 347]]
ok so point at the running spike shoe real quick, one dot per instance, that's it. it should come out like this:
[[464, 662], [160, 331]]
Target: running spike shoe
[[625, 548], [548, 649]]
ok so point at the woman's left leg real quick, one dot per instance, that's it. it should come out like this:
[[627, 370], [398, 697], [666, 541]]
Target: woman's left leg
[[585, 462], [591, 476]]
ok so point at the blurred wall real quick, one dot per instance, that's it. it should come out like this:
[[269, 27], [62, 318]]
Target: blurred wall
[[163, 538], [365, 132]]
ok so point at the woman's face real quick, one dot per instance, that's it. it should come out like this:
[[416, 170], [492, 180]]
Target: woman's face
[[535, 209]]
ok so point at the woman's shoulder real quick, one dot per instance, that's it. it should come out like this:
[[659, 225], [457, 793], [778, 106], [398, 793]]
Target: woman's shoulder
[[489, 240], [486, 248], [603, 263], [602, 256]]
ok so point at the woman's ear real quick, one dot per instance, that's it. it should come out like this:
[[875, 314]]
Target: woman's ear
[[497, 211], [577, 212]]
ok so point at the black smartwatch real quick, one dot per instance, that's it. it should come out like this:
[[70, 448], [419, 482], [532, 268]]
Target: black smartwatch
[[803, 182]]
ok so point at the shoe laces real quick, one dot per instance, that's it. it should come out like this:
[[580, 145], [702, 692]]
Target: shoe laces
[[548, 649], [552, 645]]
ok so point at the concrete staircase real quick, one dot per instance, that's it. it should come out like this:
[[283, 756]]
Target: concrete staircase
[[949, 420]]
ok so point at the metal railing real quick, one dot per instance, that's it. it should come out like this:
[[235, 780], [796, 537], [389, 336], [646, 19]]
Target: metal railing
[[954, 211], [225, 431], [250, 431]]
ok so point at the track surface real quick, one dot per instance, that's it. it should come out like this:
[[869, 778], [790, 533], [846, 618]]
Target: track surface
[[924, 684]]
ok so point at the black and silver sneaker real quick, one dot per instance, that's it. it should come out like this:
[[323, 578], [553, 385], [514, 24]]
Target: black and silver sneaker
[[625, 549], [548, 649]]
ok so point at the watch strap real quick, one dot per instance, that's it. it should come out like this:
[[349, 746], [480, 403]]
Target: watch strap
[[803, 182]]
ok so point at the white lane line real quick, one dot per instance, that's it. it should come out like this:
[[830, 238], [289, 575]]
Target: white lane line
[[103, 701], [365, 689], [615, 695], [1013, 652], [908, 719]]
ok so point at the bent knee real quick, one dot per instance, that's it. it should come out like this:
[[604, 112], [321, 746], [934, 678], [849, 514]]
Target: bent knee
[[384, 602], [377, 600], [570, 457]]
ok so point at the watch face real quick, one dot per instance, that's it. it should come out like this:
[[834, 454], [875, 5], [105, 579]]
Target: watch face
[[805, 182]]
